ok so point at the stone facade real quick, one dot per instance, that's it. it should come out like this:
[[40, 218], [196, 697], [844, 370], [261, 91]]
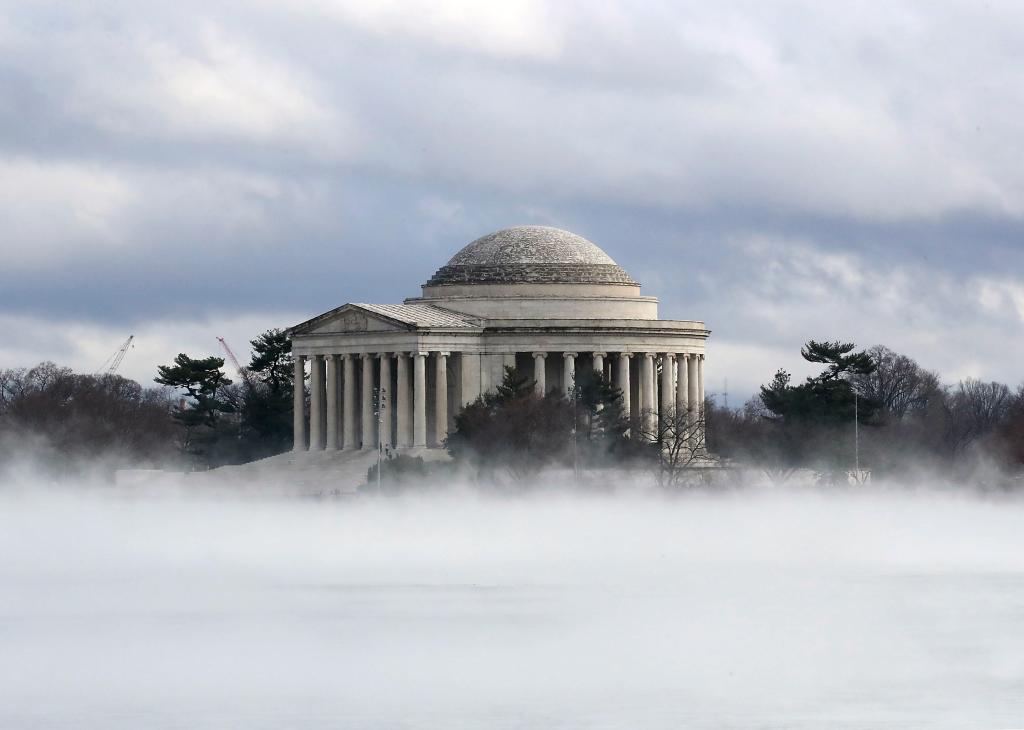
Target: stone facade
[[545, 301]]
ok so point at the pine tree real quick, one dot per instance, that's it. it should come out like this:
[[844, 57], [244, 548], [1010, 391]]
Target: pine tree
[[812, 420], [201, 420], [267, 408]]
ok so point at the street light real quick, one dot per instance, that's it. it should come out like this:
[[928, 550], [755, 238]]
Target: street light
[[856, 436], [379, 409]]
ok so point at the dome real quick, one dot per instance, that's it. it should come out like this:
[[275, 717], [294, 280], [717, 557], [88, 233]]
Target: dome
[[531, 255]]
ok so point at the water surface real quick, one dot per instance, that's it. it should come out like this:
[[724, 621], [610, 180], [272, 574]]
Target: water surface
[[756, 611]]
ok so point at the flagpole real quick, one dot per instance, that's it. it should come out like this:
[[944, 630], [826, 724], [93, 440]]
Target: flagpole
[[856, 435]]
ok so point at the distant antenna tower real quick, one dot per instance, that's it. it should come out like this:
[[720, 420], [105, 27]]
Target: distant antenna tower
[[725, 393], [114, 361]]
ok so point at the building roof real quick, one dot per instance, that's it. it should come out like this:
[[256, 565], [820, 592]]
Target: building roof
[[420, 315], [531, 255], [408, 316]]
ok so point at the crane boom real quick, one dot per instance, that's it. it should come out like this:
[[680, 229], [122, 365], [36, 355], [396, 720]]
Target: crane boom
[[114, 361], [244, 373]]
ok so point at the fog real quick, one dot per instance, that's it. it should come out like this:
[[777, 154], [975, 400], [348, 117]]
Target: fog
[[746, 609]]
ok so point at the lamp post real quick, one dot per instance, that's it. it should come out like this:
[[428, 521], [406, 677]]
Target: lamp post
[[379, 400], [856, 436], [574, 393]]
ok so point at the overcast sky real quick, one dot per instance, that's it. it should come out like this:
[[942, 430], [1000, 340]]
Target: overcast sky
[[184, 170]]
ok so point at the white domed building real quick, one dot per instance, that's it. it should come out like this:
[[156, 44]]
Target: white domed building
[[543, 300]]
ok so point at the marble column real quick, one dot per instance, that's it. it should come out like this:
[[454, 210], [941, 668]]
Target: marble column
[[317, 397], [691, 385], [648, 408], [599, 370], [568, 372], [656, 381], [348, 404], [369, 429], [682, 397], [700, 407], [332, 403], [668, 396], [384, 396], [403, 404], [419, 395], [700, 385], [538, 373], [299, 403], [441, 397], [622, 382]]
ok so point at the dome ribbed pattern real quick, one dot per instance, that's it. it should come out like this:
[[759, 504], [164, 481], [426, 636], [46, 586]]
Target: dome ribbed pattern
[[531, 255]]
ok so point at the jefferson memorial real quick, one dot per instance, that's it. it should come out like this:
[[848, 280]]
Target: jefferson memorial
[[543, 300]]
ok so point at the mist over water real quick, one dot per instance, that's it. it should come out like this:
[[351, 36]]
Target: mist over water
[[461, 611]]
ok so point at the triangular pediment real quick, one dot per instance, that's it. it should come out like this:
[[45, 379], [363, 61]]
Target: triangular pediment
[[349, 318]]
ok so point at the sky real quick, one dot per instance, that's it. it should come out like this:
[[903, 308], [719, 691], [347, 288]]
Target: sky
[[783, 171]]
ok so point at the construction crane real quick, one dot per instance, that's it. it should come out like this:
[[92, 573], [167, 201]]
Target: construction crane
[[114, 361], [243, 372]]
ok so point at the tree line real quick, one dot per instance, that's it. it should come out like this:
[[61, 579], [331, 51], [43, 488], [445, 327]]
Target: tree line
[[63, 423], [871, 412], [904, 420], [196, 418], [874, 408]]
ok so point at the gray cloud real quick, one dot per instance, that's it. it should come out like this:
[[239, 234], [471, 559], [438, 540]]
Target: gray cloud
[[782, 171]]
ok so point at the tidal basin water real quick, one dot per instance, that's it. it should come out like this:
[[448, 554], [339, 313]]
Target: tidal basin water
[[756, 611]]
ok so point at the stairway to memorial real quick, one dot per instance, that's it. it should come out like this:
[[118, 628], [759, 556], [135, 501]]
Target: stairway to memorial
[[306, 474]]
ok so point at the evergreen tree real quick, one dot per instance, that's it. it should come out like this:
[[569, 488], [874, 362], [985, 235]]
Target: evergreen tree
[[836, 355], [521, 432], [827, 398], [602, 423], [514, 430], [812, 419], [271, 361], [267, 407], [202, 418]]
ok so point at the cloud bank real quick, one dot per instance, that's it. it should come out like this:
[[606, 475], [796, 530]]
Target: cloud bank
[[782, 171]]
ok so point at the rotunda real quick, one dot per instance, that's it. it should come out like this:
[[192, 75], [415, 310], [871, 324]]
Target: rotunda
[[542, 300]]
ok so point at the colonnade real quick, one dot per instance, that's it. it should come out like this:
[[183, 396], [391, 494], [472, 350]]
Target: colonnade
[[680, 390], [681, 387], [355, 403], [352, 396]]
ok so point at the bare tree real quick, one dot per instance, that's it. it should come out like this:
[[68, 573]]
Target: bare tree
[[73, 420], [1011, 432], [679, 440], [974, 409], [898, 385]]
